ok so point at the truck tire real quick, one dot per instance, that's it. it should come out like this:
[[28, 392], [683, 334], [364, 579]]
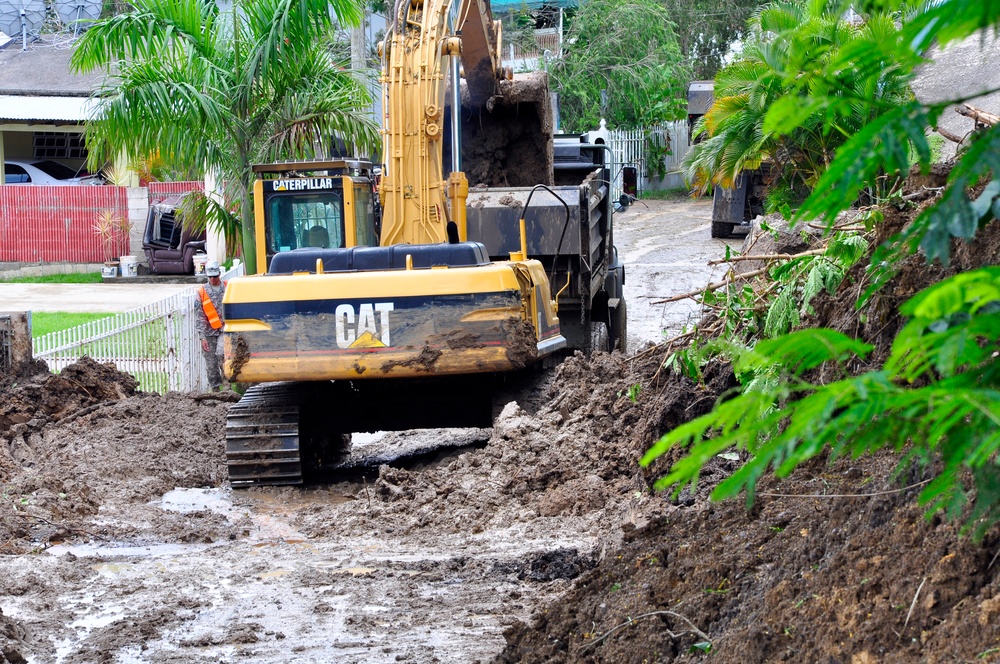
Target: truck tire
[[619, 328], [722, 229]]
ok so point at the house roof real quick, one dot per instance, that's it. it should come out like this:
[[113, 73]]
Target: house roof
[[514, 5], [42, 70], [44, 109]]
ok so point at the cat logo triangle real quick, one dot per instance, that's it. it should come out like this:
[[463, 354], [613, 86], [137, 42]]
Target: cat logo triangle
[[367, 340]]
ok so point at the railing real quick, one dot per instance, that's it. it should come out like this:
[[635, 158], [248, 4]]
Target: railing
[[632, 147], [157, 343], [545, 40]]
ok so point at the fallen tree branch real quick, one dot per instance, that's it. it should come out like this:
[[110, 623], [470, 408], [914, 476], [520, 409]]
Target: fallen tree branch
[[977, 114], [663, 344], [631, 621], [954, 138], [843, 495], [766, 257], [58, 525], [716, 286], [824, 227], [913, 604]]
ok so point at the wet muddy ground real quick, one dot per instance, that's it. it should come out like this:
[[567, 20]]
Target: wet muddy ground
[[121, 541], [538, 540]]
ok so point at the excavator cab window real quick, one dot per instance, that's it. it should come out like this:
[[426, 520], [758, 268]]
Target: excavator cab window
[[305, 220], [364, 214]]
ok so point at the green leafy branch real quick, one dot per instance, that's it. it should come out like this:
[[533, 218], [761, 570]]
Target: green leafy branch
[[937, 397]]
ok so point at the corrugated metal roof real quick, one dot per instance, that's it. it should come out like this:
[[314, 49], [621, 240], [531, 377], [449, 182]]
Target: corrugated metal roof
[[17, 108]]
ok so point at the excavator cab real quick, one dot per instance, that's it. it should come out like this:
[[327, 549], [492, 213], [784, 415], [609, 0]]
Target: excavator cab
[[313, 205]]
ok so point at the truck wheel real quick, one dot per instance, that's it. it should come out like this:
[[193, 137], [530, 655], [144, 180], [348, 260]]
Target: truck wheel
[[599, 337], [722, 229], [619, 328]]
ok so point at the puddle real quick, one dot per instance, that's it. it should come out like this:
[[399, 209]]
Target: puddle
[[186, 501], [112, 550], [275, 574]]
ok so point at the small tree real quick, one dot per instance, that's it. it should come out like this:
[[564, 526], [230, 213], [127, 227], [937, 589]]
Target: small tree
[[621, 63], [112, 230], [786, 39], [936, 398], [206, 89]]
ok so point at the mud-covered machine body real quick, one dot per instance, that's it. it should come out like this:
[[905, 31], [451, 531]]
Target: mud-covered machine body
[[350, 330]]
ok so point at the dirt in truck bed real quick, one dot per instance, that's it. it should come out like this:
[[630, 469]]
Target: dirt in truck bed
[[538, 541]]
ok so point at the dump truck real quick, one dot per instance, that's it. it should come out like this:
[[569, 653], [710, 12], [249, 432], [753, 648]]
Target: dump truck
[[732, 207], [354, 327]]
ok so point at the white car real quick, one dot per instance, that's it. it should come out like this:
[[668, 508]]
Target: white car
[[45, 171]]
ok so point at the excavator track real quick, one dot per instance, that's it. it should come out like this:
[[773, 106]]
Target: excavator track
[[263, 437], [287, 432]]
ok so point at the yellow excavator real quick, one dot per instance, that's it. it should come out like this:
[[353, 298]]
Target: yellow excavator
[[404, 309]]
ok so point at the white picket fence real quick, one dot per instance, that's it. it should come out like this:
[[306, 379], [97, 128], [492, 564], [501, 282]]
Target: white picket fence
[[157, 343], [630, 149]]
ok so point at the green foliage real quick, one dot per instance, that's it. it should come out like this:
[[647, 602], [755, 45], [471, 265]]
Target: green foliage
[[762, 112], [937, 398], [748, 315], [69, 278], [672, 194], [202, 88], [656, 150], [621, 62], [706, 29]]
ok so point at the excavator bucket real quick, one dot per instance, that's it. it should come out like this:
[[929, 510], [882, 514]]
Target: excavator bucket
[[507, 142]]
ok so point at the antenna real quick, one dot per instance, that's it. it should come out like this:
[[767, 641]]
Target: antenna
[[77, 13], [22, 17]]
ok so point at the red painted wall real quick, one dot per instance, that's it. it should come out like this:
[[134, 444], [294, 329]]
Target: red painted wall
[[160, 190], [51, 224], [56, 224]]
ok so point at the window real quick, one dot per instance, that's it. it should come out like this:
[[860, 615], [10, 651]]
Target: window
[[304, 220], [14, 174], [364, 209], [59, 145]]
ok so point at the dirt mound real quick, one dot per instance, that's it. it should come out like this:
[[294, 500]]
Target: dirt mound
[[856, 574], [69, 442], [572, 459], [35, 395], [836, 563]]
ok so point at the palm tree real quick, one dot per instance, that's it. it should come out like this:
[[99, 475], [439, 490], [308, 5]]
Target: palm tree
[[788, 39], [209, 89]]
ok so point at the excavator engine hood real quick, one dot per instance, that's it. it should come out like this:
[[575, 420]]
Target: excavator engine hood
[[372, 318]]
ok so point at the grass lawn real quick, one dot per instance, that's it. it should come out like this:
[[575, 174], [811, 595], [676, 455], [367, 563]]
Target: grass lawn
[[43, 323], [71, 278], [675, 194]]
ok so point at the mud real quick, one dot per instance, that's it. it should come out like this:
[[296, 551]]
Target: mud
[[508, 142], [522, 348], [537, 540]]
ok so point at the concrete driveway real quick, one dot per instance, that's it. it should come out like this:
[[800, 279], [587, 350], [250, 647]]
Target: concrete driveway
[[83, 298]]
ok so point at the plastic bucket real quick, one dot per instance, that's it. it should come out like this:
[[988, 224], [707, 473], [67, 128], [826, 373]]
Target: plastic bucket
[[199, 263], [129, 266]]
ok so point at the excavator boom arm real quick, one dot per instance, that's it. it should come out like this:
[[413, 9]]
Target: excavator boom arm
[[423, 38]]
